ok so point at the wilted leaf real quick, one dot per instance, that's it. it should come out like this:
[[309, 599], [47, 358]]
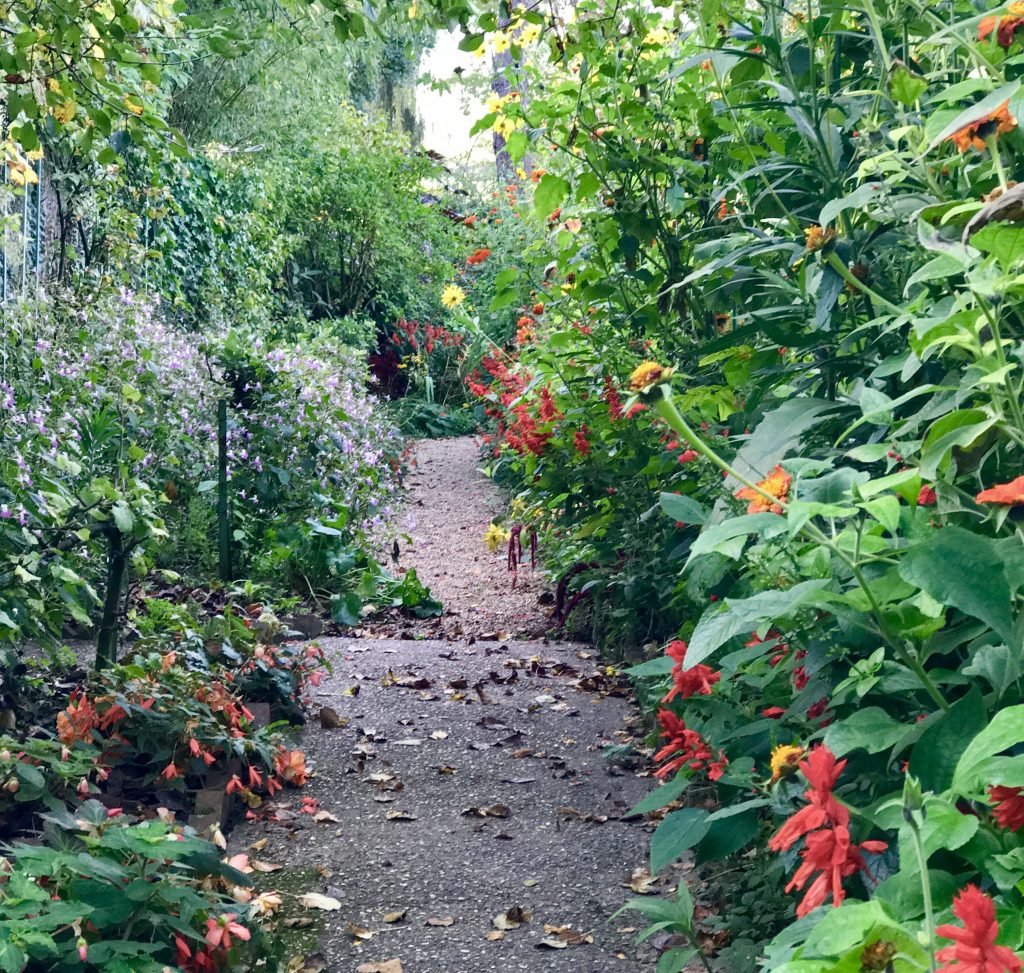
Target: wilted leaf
[[559, 937], [439, 735], [265, 904], [359, 932], [258, 866], [298, 922], [400, 816], [259, 845], [490, 811], [388, 966], [444, 921], [322, 816], [397, 916], [512, 918], [495, 935], [351, 691], [641, 882], [446, 770], [314, 900]]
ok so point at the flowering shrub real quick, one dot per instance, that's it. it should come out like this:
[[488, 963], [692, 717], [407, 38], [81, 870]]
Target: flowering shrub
[[815, 508]]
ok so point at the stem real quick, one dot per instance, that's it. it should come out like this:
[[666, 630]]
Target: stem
[[840, 268], [106, 640], [926, 894], [997, 160], [665, 408]]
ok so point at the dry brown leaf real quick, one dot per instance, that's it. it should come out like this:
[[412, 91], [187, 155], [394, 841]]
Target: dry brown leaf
[[258, 866], [495, 935], [330, 720], [400, 816], [321, 816], [446, 770], [298, 922], [387, 966], [314, 900], [445, 921], [559, 937], [439, 735], [641, 882], [359, 932], [489, 811], [397, 916], [259, 845], [512, 918]]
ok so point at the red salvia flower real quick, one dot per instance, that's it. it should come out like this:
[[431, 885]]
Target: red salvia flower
[[1008, 807], [926, 496], [974, 948], [1006, 494], [695, 681], [828, 852], [685, 748], [580, 441]]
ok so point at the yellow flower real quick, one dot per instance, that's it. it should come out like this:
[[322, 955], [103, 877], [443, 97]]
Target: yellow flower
[[52, 84], [133, 104], [494, 102], [785, 759], [520, 173], [647, 374], [65, 112], [35, 155], [505, 126], [1016, 9], [530, 33], [414, 11], [495, 538], [501, 43], [657, 38], [452, 296], [481, 52]]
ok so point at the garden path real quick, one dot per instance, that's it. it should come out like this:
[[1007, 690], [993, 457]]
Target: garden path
[[467, 779]]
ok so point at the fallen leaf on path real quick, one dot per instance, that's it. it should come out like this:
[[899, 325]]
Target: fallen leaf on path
[[330, 720], [444, 921], [400, 816], [495, 935], [411, 742], [351, 691], [388, 966], [439, 735], [258, 866], [570, 813], [518, 780], [511, 919], [314, 963], [298, 922], [396, 916], [322, 816], [446, 770], [314, 900], [265, 904], [384, 798], [641, 882], [259, 845], [491, 723], [460, 682], [488, 811], [379, 778], [558, 937], [359, 932]]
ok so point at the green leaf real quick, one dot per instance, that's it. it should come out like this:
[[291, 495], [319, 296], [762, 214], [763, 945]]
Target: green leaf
[[345, 608], [1005, 241], [727, 834], [858, 199], [1004, 731], [742, 616], [660, 796], [123, 518], [550, 192], [684, 509], [714, 538], [677, 833], [965, 570], [997, 665], [516, 145], [870, 729], [936, 753], [905, 86]]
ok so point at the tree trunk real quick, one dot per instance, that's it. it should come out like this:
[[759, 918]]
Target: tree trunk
[[117, 561]]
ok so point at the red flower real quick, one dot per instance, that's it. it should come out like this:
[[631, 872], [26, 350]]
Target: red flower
[[580, 441], [824, 823], [170, 771], [478, 256], [219, 931], [926, 496], [685, 747], [1003, 27], [688, 456], [1007, 494], [611, 396], [817, 709], [773, 713], [1008, 807], [975, 949], [695, 681]]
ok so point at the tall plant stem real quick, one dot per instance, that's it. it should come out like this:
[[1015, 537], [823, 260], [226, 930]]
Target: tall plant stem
[[665, 408]]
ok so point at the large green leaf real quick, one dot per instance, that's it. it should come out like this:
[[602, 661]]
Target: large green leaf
[[1006, 730], [870, 729], [936, 753], [681, 508], [742, 616], [965, 570], [677, 833]]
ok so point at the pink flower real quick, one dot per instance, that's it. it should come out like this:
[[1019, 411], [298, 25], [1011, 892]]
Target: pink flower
[[219, 931]]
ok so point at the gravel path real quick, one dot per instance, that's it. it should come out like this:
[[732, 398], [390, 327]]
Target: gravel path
[[450, 505], [474, 812]]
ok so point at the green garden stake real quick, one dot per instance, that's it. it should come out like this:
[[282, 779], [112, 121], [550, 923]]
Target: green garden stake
[[223, 519]]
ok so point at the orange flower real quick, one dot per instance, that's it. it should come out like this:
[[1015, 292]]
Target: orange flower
[[478, 256], [647, 374], [1003, 27], [1007, 494], [469, 221], [77, 722], [817, 238], [996, 122], [775, 483]]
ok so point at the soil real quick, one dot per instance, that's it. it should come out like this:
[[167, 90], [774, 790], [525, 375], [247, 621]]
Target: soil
[[464, 776]]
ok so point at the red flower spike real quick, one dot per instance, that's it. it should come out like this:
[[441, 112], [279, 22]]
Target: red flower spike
[[974, 948], [1008, 807]]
